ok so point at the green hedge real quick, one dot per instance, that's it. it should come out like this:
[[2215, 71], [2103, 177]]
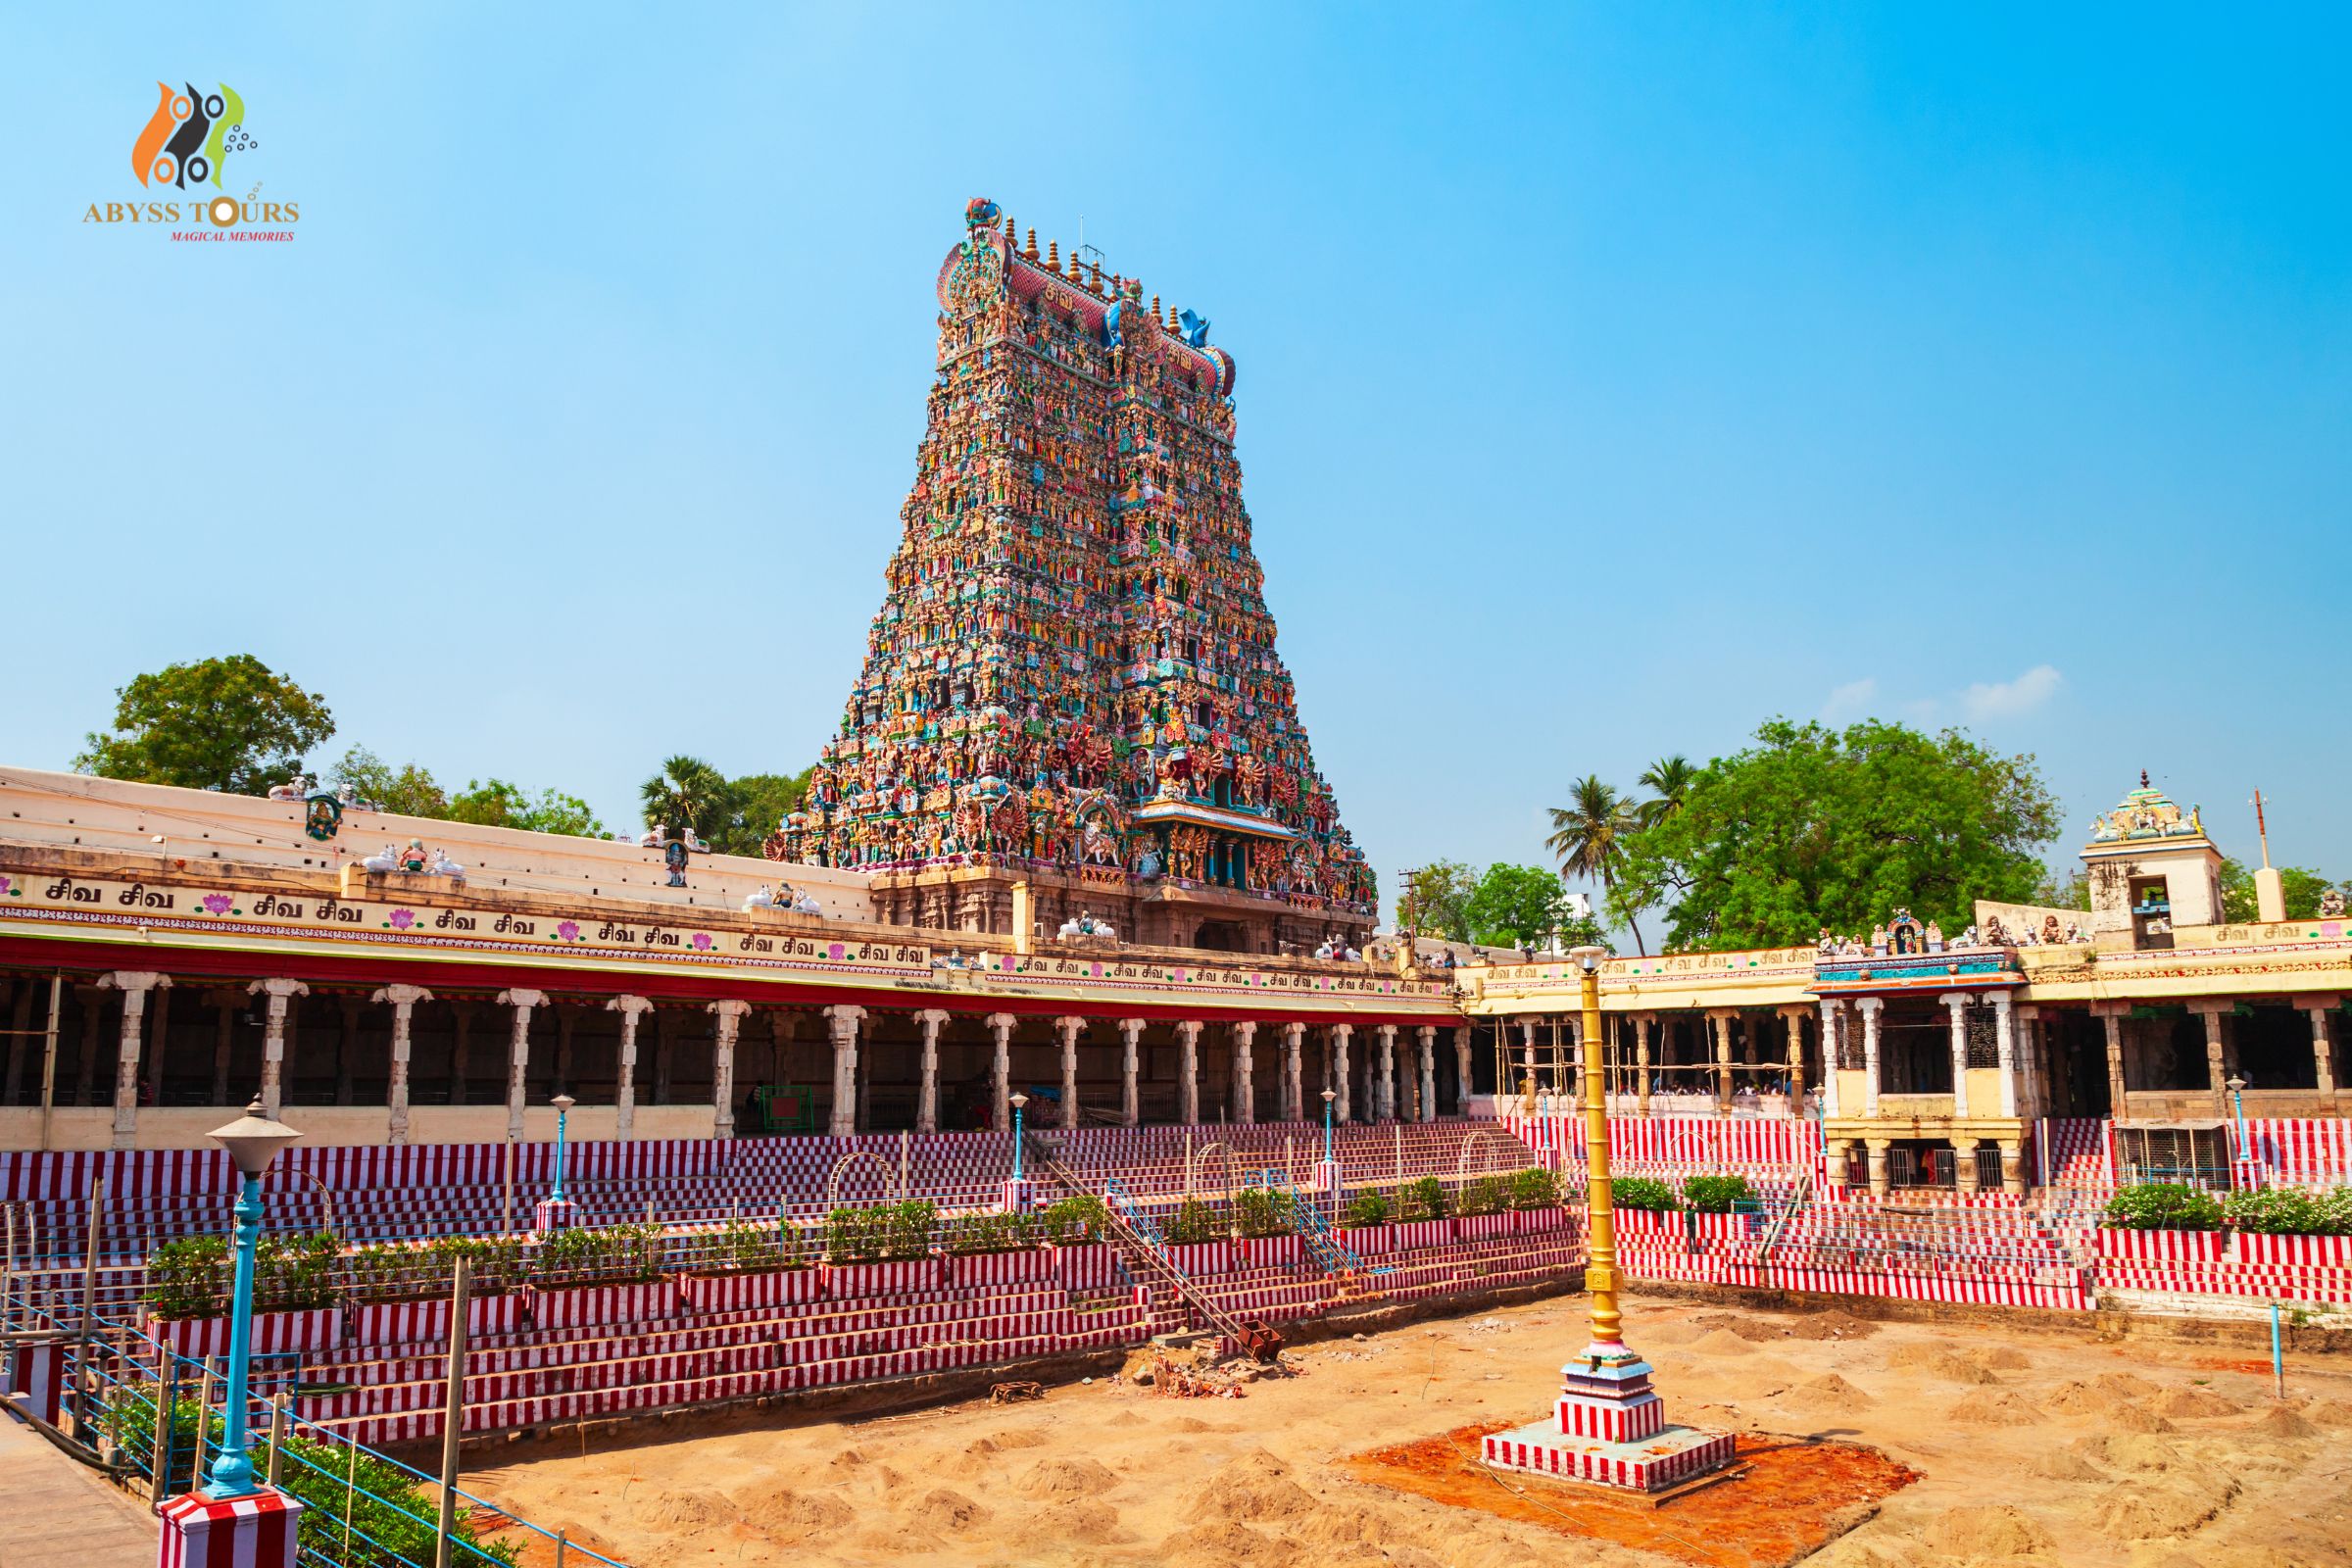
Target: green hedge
[[1483, 1195], [193, 1276], [1424, 1198], [2290, 1211], [610, 1254], [885, 1233], [1716, 1194], [1366, 1210], [1645, 1193], [1534, 1188], [2162, 1206]]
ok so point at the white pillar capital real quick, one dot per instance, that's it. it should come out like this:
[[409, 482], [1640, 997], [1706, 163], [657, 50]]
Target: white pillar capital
[[731, 1014], [136, 982], [522, 999], [932, 1017], [401, 997], [277, 990], [631, 1008]]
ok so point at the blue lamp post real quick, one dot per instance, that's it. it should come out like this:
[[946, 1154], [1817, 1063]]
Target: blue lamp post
[[563, 1105], [2237, 1096], [253, 1140], [1328, 1096], [1018, 1101]]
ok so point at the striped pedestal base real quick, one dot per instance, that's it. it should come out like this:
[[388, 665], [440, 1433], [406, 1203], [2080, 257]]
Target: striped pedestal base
[[256, 1531], [1670, 1456], [555, 1214]]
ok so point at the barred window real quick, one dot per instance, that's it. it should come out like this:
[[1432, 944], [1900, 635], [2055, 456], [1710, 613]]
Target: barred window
[[1983, 1036]]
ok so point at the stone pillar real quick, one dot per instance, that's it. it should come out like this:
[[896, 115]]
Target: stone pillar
[[1719, 1021], [1876, 1149], [1000, 1033], [1069, 1029], [1964, 1164], [1427, 1034], [1527, 1059], [2004, 1029], [1244, 1095], [1293, 1087], [519, 1052], [730, 1015], [1338, 1064], [404, 999], [926, 1099], [1955, 1004], [1386, 1099], [1131, 1034], [1461, 1068], [2012, 1166], [624, 1087], [2323, 1038], [1867, 1008], [1832, 1027], [1641, 1023], [841, 1021], [1792, 1020], [134, 984], [1837, 1152], [1188, 1072], [274, 1038]]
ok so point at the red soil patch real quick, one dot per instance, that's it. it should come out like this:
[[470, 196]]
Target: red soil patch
[[1791, 1499]]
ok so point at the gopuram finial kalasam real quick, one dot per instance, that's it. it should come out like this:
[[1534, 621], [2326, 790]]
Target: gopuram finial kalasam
[[1073, 664]]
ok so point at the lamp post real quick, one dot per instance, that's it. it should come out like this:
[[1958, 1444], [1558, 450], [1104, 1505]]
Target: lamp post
[[563, 1105], [1328, 1096], [253, 1140], [1600, 1268], [1018, 1101], [2237, 1098]]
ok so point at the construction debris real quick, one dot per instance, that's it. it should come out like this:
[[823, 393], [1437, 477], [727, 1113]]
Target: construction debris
[[1014, 1393]]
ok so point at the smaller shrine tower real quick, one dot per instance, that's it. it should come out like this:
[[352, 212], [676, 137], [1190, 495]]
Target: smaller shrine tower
[[2152, 870]]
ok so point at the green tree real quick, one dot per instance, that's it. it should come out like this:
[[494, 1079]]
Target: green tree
[[2300, 885], [1515, 906], [231, 724], [1434, 900], [497, 803], [687, 793], [408, 790], [1589, 836], [1812, 827], [760, 802], [2073, 891]]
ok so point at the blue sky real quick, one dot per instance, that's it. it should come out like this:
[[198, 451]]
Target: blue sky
[[1611, 378]]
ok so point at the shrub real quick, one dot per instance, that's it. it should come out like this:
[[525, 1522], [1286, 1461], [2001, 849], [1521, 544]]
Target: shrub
[[1193, 1221], [2162, 1206], [498, 1262], [1716, 1194], [882, 1233], [1080, 1217], [1366, 1210], [1645, 1193], [1261, 1212], [393, 1523], [2290, 1211], [1482, 1196], [1424, 1198], [989, 1232], [1534, 1188], [613, 1254], [192, 1277]]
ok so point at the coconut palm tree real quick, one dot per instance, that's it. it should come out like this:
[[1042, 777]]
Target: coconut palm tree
[[1588, 833], [688, 792], [1668, 779]]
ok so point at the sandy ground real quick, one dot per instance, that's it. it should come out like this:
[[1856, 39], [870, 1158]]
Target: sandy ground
[[2033, 1448]]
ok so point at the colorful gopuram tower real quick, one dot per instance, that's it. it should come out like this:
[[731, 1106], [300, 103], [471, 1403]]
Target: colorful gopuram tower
[[1073, 684]]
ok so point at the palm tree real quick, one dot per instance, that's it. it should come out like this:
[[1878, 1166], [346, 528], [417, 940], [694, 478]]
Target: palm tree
[[688, 792], [1589, 834], [1668, 779]]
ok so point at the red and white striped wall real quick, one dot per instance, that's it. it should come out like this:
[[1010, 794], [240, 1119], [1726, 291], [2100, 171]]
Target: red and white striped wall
[[317, 1329], [249, 1532]]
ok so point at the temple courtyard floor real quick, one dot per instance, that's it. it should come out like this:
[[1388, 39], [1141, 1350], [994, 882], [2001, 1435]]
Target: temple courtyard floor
[[1866, 1445]]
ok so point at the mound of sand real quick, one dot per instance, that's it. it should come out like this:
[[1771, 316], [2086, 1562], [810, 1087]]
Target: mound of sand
[[2077, 1399], [1229, 1546], [1257, 1486], [1937, 1361], [2143, 1455], [1994, 1408], [1670, 1332], [1987, 1530], [697, 1509], [2191, 1402], [2281, 1422], [1063, 1480], [2005, 1358], [1830, 1393], [1091, 1524], [2126, 1384], [2328, 1413], [2177, 1503], [2057, 1464], [942, 1509], [786, 1516], [1722, 1342], [2130, 1415]]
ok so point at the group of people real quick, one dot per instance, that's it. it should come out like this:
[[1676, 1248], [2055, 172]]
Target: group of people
[[1337, 947], [782, 897]]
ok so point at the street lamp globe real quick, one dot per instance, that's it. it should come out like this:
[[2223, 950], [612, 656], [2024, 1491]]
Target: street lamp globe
[[1020, 1100], [1588, 956], [562, 1104], [253, 1139], [2235, 1085]]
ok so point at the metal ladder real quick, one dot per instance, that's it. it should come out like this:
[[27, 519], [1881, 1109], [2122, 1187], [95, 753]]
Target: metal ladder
[[1144, 1250], [1331, 1255]]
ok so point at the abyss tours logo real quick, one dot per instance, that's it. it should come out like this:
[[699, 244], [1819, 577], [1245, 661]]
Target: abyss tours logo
[[185, 145]]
